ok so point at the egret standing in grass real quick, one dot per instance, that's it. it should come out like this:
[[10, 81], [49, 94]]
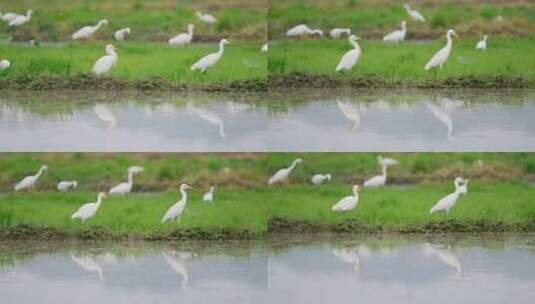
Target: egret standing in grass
[[338, 32], [348, 202], [208, 197], [377, 181], [319, 179], [124, 188], [302, 30], [447, 202], [210, 60], [441, 56], [283, 174], [482, 45], [21, 19], [350, 59], [397, 36], [31, 180], [176, 210], [414, 14], [386, 161], [206, 18], [87, 31], [106, 62], [183, 38], [121, 34], [89, 210], [8, 17], [4, 64], [264, 48], [64, 186]]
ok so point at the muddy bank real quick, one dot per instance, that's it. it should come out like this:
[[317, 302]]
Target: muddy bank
[[300, 80], [275, 228]]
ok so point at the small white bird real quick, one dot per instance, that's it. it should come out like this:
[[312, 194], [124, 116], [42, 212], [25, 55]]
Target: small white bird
[[447, 202], [482, 45], [124, 188], [176, 210], [386, 161], [136, 169], [209, 60], [377, 181], [21, 19], [348, 202], [441, 56], [31, 180], [87, 31], [209, 196], [206, 18], [64, 186], [302, 30], [264, 48], [414, 14], [88, 210], [350, 59], [183, 38], [282, 174], [106, 62], [4, 64], [338, 32], [318, 179], [8, 17], [121, 34], [397, 36]]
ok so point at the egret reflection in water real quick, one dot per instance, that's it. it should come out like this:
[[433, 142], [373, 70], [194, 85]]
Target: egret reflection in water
[[211, 117], [351, 111], [88, 264], [445, 256], [105, 114], [442, 111], [177, 261]]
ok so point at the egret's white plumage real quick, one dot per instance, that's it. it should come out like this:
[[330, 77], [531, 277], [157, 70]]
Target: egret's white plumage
[[8, 17], [347, 203], [176, 210], [208, 197], [302, 30], [282, 174], [31, 180], [88, 210], [318, 179], [414, 14], [338, 32], [386, 161], [121, 34], [441, 56], [124, 188], [209, 60], [105, 63], [206, 18], [397, 36], [183, 38], [482, 45], [350, 59], [87, 31], [64, 186], [4, 64], [21, 19], [264, 48], [377, 181], [447, 202], [136, 169]]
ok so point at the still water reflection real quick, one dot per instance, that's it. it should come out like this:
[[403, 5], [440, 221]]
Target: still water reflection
[[365, 269], [462, 120]]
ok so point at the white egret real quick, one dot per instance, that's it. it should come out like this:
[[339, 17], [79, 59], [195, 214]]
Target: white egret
[[338, 32], [208, 197], [377, 181], [351, 112], [21, 19], [318, 179], [177, 261], [88, 210], [8, 17], [64, 186], [264, 48], [386, 161], [183, 38], [4, 64], [124, 188], [282, 174], [447, 202], [414, 14], [206, 18], [87, 31], [176, 210], [302, 30], [121, 34], [397, 36], [347, 203], [441, 56], [88, 264], [209, 60], [350, 59], [482, 45], [31, 180], [136, 169], [105, 114], [106, 62]]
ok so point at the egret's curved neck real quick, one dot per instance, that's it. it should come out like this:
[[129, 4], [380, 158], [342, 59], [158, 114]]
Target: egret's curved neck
[[328, 176], [40, 172], [354, 44], [384, 171], [99, 201], [355, 192], [485, 38], [184, 195], [28, 14], [293, 165], [221, 48], [315, 32], [450, 41], [130, 179], [112, 53], [99, 24], [190, 31], [403, 27]]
